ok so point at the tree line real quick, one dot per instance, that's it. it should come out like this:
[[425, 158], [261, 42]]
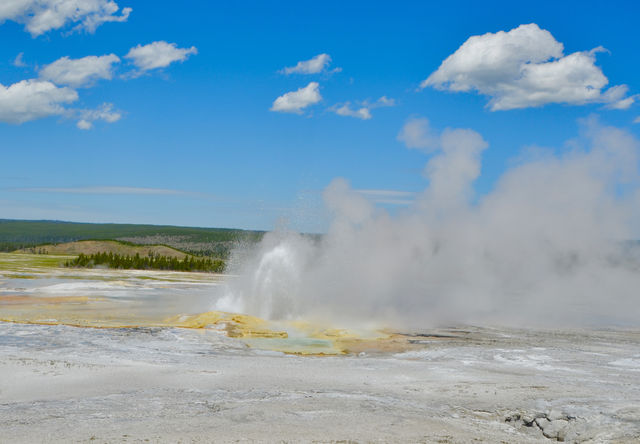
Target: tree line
[[8, 247], [151, 262]]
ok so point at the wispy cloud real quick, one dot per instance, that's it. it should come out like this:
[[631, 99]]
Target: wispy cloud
[[105, 112], [345, 109], [314, 65], [119, 190], [18, 62], [363, 109], [617, 98], [296, 101], [105, 190]]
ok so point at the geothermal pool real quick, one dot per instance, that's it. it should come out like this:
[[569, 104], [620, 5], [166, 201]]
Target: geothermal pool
[[135, 356]]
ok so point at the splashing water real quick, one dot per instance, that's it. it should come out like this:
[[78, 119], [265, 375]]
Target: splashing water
[[272, 290], [550, 245]]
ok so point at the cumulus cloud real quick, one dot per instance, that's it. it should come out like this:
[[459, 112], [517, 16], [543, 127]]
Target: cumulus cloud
[[33, 99], [158, 55], [296, 101], [362, 111], [40, 16], [105, 113], [524, 67], [37, 98], [314, 65], [80, 72]]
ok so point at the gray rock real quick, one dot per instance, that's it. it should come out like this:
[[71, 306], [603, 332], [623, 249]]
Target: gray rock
[[562, 434], [542, 422], [555, 429], [512, 417], [556, 414], [528, 419]]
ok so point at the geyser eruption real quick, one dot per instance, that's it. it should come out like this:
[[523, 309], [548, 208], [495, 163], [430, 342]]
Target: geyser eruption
[[550, 245]]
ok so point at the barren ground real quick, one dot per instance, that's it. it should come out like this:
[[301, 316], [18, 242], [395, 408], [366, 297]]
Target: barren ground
[[60, 383]]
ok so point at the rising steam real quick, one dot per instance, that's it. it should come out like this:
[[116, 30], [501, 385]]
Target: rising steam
[[550, 245]]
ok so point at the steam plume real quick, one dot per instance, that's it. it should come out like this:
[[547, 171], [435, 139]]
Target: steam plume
[[550, 245]]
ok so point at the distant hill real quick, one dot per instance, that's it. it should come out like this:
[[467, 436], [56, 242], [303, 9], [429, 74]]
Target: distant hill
[[90, 247], [213, 242]]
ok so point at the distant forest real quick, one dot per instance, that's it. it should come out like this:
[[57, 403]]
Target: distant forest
[[210, 242], [151, 262]]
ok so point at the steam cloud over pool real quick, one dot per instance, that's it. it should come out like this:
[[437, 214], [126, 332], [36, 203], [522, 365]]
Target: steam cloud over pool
[[549, 245]]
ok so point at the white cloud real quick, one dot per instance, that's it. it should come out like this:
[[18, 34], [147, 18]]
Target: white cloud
[[616, 99], [296, 101], [18, 62], [33, 99], [158, 55], [105, 113], [385, 101], [80, 72], [312, 66], [40, 16], [38, 98], [346, 110], [84, 124], [362, 111], [524, 67], [417, 134], [636, 120], [623, 103], [116, 190]]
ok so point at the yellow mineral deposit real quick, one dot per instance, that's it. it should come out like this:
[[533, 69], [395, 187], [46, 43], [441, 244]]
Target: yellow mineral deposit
[[296, 337], [235, 325]]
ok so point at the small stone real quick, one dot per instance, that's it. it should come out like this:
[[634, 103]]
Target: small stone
[[528, 419], [542, 422], [554, 429], [562, 434], [556, 414], [512, 417]]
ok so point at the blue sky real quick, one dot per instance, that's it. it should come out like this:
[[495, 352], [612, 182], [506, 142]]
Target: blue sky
[[181, 123]]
